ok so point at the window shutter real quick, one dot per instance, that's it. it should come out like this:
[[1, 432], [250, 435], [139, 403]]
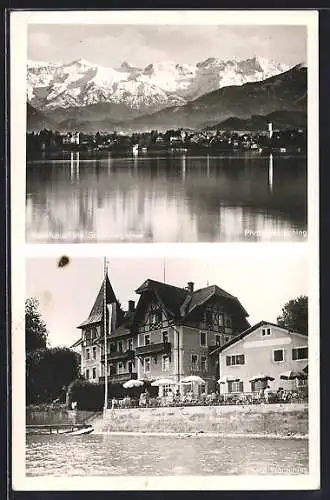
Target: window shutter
[[230, 387], [294, 354], [228, 360], [241, 386]]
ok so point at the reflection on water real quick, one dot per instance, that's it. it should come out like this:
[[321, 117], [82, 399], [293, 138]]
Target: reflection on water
[[97, 455], [167, 199]]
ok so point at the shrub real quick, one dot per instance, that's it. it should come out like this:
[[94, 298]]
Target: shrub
[[90, 396]]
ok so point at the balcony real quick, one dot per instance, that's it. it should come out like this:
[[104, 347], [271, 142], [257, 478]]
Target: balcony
[[161, 347], [120, 377], [118, 355]]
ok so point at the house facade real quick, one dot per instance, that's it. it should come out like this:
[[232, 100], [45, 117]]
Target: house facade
[[169, 334], [265, 348]]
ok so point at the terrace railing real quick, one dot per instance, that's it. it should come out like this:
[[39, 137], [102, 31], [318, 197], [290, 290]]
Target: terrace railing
[[246, 398]]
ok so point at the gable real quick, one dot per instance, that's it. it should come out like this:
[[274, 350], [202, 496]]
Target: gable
[[265, 335], [150, 311]]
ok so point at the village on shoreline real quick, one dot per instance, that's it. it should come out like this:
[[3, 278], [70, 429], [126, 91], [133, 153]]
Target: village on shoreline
[[292, 141]]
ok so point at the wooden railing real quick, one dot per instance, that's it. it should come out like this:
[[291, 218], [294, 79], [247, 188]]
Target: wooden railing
[[164, 347]]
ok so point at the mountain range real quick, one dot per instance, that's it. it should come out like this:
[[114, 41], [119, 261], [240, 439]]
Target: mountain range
[[83, 96]]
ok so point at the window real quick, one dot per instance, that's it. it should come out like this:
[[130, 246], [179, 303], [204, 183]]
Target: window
[[257, 385], [120, 346], [265, 331], [120, 367], [235, 386], [220, 319], [299, 353], [228, 323], [94, 372], [278, 355], [94, 352], [194, 362], [129, 344], [147, 365], [203, 364], [165, 337], [130, 367], [217, 340], [87, 354], [93, 333], [146, 339], [156, 317], [165, 363], [236, 359], [87, 374], [203, 339]]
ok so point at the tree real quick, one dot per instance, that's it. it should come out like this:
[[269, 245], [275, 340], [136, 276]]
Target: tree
[[295, 315], [49, 373], [36, 333]]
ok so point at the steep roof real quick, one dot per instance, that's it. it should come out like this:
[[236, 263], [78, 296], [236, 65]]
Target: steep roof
[[199, 297], [246, 332], [125, 327], [96, 314], [170, 296], [179, 302]]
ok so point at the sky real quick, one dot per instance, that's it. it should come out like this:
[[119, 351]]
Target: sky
[[263, 279], [110, 45]]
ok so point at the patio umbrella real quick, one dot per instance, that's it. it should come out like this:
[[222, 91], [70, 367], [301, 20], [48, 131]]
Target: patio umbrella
[[133, 383], [193, 379], [227, 378], [261, 377], [163, 381], [293, 374]]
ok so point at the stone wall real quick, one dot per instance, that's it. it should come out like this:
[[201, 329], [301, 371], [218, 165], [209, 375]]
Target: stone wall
[[54, 416], [281, 419]]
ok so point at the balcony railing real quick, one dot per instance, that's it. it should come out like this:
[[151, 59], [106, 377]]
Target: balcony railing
[[118, 355], [144, 350], [120, 377]]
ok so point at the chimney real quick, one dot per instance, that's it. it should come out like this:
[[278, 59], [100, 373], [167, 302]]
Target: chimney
[[190, 286], [131, 306]]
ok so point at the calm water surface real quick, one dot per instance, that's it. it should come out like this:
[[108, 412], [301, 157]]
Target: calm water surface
[[166, 198], [106, 455]]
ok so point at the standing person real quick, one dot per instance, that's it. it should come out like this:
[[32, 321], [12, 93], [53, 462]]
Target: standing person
[[147, 397], [267, 392]]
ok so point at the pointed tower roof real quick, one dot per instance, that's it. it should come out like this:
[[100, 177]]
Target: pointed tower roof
[[96, 314]]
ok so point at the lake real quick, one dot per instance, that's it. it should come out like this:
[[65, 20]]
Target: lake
[[108, 455], [166, 198]]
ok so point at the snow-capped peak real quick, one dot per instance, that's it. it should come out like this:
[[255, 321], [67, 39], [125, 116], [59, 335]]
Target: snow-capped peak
[[157, 85]]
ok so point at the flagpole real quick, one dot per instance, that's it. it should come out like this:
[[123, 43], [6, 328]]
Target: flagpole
[[105, 336]]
